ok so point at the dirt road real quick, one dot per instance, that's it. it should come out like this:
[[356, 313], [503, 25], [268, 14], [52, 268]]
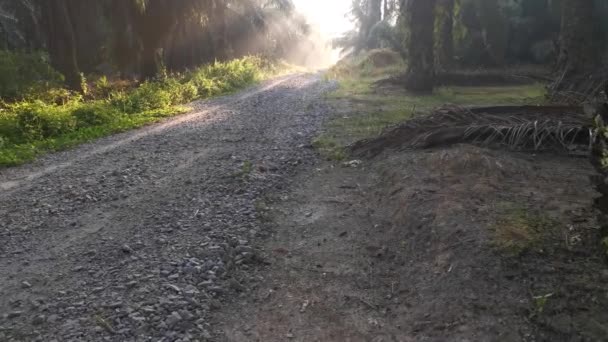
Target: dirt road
[[143, 235], [225, 225]]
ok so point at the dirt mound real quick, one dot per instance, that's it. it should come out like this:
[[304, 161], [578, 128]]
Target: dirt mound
[[516, 127], [369, 63], [459, 244], [483, 236], [381, 58]]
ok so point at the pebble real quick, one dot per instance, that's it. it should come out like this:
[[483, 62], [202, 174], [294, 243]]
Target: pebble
[[14, 314], [186, 315], [173, 319], [127, 249], [38, 320]]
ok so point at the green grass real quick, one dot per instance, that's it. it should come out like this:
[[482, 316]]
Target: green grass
[[519, 230], [365, 110], [39, 124]]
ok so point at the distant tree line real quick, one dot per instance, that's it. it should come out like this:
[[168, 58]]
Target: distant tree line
[[570, 35], [139, 37]]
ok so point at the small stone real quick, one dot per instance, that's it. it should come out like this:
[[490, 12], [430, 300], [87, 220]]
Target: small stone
[[114, 305], [38, 320], [174, 288], [26, 285], [186, 315], [14, 314], [132, 284], [97, 289], [53, 318], [173, 319], [174, 276], [216, 289], [127, 249]]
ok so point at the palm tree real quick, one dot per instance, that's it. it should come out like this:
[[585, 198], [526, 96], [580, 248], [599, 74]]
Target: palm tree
[[445, 34], [419, 17], [577, 52], [61, 42]]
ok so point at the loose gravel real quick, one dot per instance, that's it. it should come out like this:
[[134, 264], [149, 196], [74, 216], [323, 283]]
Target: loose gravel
[[143, 235]]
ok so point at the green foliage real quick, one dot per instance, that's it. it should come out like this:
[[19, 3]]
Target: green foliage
[[22, 74], [540, 302], [371, 109], [56, 118], [96, 113], [38, 120], [519, 230], [219, 78]]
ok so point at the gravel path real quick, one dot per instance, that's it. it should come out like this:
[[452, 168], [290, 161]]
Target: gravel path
[[143, 235]]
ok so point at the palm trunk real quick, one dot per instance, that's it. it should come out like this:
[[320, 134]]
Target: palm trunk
[[577, 54], [221, 45], [61, 42], [445, 44], [419, 17]]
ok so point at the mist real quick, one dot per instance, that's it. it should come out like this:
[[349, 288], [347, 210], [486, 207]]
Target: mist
[[326, 20]]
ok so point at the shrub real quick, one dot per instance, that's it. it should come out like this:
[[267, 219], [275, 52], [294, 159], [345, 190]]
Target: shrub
[[54, 118], [38, 120], [219, 78], [22, 74], [148, 96], [95, 114]]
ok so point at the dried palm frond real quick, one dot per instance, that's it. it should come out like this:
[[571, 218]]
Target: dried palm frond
[[533, 128]]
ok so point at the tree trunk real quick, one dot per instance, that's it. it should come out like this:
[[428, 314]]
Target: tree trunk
[[495, 30], [419, 18], [375, 11], [577, 54], [125, 47], [220, 37], [445, 34], [385, 9], [61, 42], [373, 15]]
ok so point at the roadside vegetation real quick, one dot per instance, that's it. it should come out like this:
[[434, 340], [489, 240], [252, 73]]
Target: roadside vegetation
[[370, 106], [40, 115], [73, 71]]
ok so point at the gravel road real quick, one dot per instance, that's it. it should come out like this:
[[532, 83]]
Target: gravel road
[[143, 235]]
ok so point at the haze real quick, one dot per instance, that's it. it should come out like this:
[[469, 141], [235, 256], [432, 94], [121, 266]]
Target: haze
[[328, 16]]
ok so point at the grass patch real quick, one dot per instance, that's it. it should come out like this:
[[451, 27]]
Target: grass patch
[[519, 230], [245, 171], [365, 110], [57, 119]]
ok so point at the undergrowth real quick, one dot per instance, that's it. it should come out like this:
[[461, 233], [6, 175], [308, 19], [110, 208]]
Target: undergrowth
[[37, 115], [366, 110], [519, 230]]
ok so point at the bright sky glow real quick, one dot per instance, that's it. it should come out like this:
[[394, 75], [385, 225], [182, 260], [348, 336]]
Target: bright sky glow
[[328, 15]]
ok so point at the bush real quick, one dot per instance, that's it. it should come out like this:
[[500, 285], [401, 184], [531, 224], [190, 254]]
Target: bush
[[95, 114], [219, 78], [22, 74], [38, 120], [148, 96]]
